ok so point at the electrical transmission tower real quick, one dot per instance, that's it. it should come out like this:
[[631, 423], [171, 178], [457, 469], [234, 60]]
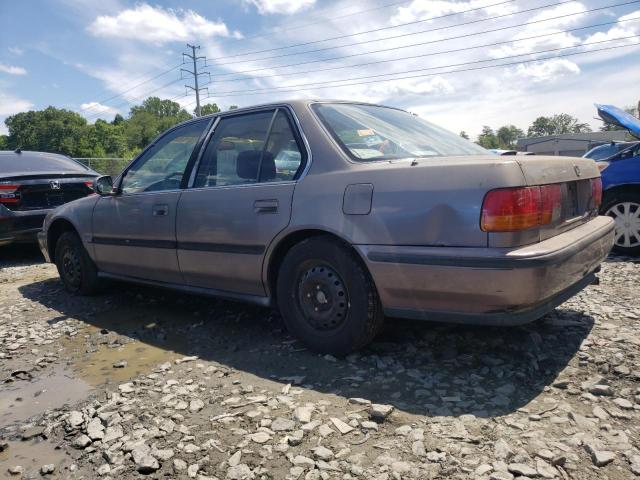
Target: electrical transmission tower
[[195, 73]]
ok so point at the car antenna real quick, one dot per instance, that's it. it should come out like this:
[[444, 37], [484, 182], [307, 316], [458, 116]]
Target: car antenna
[[18, 150]]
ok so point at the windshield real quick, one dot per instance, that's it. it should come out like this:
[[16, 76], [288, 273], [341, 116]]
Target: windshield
[[604, 151], [369, 132]]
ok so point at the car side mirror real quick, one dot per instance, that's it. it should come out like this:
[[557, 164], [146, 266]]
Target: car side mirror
[[103, 185]]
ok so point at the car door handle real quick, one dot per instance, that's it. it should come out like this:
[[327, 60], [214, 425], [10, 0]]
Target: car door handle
[[266, 206], [160, 210]]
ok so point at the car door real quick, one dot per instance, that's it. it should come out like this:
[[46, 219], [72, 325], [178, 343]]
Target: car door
[[239, 201], [134, 229]]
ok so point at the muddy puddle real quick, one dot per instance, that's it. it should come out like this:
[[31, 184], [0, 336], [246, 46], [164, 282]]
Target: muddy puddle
[[23, 399], [144, 339], [31, 456]]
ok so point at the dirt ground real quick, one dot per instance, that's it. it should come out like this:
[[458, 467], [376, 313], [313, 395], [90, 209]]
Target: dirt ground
[[145, 383]]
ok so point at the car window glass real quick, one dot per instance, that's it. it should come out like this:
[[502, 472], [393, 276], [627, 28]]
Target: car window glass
[[282, 150], [233, 154], [163, 165]]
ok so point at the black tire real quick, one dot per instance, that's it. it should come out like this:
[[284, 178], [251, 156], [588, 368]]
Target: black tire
[[327, 298], [627, 240], [77, 271]]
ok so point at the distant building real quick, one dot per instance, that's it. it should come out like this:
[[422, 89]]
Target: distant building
[[569, 144]]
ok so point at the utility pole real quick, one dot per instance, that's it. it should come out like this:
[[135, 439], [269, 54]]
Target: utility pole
[[195, 73]]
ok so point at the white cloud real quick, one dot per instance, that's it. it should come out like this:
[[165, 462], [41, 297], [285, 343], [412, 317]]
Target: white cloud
[[286, 7], [15, 51], [12, 70], [9, 105], [93, 108], [547, 70], [628, 28], [435, 85], [158, 25], [425, 9]]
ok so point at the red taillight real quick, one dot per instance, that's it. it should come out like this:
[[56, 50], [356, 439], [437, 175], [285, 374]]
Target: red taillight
[[596, 191], [89, 184], [520, 208], [9, 193]]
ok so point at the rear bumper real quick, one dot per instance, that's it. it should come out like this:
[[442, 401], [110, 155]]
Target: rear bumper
[[20, 226], [488, 286]]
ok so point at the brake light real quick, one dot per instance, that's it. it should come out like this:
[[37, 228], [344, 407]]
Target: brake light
[[9, 193], [89, 185], [596, 191], [520, 208]]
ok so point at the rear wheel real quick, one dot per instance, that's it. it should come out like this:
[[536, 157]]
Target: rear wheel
[[624, 208], [77, 271], [327, 298]]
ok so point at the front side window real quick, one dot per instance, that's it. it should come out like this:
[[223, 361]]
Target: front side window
[[370, 132], [163, 165], [250, 148]]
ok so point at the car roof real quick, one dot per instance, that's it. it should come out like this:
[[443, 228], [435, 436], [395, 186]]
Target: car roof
[[295, 103]]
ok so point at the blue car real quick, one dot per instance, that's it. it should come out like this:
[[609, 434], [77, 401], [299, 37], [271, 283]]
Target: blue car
[[619, 164]]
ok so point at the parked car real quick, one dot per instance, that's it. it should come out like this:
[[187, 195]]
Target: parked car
[[607, 150], [498, 151], [32, 184], [385, 214], [620, 167]]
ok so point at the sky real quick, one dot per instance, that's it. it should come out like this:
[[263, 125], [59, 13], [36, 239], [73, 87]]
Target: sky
[[459, 63]]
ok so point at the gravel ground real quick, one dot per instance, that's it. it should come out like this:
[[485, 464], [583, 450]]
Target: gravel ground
[[140, 383]]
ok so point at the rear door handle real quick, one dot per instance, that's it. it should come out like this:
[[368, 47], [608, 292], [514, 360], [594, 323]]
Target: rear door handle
[[160, 210], [266, 206]]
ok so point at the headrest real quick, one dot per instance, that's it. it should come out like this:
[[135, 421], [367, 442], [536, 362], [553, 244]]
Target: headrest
[[247, 165]]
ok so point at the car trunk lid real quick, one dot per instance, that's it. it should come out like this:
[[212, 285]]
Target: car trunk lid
[[43, 191]]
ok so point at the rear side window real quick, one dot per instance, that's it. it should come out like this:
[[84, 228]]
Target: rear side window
[[250, 148]]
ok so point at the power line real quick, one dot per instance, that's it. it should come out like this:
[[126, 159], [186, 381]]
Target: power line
[[411, 57], [457, 37], [368, 31], [293, 88], [134, 99], [132, 88], [275, 31], [472, 22]]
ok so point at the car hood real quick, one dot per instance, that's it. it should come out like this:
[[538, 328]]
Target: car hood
[[617, 116]]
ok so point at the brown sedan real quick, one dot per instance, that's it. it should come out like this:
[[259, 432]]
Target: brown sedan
[[339, 213]]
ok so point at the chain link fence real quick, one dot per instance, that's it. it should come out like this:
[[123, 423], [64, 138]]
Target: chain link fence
[[105, 166]]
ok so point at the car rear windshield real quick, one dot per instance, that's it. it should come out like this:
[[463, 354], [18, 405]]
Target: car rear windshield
[[369, 132], [36, 162]]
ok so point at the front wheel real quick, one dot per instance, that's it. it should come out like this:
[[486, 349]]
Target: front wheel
[[624, 208], [77, 271], [327, 298]]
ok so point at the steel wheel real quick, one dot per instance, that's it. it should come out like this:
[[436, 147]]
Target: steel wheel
[[323, 299], [71, 267], [627, 218]]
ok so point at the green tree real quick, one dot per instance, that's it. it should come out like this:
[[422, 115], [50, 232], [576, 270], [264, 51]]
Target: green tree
[[557, 125], [508, 136], [463, 134], [487, 138], [118, 119], [52, 129], [209, 108], [4, 142]]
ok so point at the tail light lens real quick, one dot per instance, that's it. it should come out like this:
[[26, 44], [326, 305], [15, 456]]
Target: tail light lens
[[89, 185], [9, 194], [596, 192], [520, 208]]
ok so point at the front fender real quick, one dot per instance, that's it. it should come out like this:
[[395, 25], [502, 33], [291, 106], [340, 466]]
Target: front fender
[[76, 215]]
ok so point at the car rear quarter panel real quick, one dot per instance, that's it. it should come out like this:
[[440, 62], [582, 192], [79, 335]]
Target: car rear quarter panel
[[435, 202]]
